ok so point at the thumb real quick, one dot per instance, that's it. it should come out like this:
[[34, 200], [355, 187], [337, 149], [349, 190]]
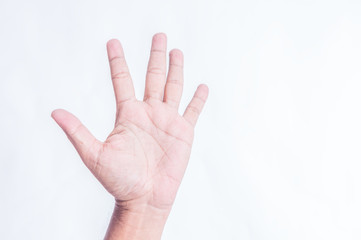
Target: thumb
[[84, 142]]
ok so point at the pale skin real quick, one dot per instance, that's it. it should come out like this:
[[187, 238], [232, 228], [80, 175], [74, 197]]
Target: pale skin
[[143, 160]]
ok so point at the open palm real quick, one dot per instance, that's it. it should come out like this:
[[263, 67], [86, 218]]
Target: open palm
[[145, 156]]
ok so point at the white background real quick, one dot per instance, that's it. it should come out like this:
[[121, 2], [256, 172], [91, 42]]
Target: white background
[[277, 151]]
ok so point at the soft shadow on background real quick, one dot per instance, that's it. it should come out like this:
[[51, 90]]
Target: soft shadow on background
[[277, 149]]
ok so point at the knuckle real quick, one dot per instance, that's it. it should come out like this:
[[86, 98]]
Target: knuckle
[[120, 75], [175, 81], [176, 65], [194, 109], [153, 94], [156, 51], [172, 101], [156, 70], [200, 99], [75, 130], [116, 59]]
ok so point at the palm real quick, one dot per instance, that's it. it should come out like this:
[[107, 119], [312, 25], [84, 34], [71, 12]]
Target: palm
[[146, 154]]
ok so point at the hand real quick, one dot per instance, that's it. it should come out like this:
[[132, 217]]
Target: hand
[[143, 160]]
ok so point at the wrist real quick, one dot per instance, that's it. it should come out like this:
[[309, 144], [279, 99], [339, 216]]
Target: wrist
[[134, 220]]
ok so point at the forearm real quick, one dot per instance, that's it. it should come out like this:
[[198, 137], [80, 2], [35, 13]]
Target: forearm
[[136, 222]]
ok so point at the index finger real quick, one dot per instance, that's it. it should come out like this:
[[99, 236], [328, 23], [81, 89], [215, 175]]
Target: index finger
[[122, 81]]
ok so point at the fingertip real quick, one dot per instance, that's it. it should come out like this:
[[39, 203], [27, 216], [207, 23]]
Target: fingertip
[[160, 35], [203, 91], [159, 41], [176, 57], [112, 42], [52, 114], [59, 116], [114, 47], [176, 53], [63, 118], [56, 113], [203, 86]]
